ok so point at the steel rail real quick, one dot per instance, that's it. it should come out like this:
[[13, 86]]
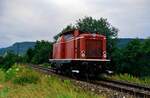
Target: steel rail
[[134, 89]]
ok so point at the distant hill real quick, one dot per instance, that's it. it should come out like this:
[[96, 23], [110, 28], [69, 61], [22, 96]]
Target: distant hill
[[18, 47], [122, 42], [22, 47]]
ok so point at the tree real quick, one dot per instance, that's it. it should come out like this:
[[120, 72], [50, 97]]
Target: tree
[[131, 54], [134, 58], [29, 55], [117, 56], [145, 57], [1, 59], [41, 52], [9, 59], [146, 46]]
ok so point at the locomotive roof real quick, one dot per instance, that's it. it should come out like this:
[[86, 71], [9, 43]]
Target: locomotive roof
[[70, 31]]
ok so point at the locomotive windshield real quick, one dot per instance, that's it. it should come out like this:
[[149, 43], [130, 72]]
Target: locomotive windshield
[[68, 36]]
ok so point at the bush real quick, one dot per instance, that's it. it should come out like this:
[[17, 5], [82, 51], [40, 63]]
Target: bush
[[11, 73], [26, 79], [26, 76], [19, 75]]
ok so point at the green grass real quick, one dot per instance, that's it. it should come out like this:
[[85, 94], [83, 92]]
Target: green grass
[[131, 79], [2, 76], [22, 82]]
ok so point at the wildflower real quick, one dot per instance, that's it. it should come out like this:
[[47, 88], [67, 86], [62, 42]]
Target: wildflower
[[17, 69], [7, 71]]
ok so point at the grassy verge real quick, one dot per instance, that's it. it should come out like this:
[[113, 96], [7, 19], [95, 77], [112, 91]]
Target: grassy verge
[[131, 79], [22, 82]]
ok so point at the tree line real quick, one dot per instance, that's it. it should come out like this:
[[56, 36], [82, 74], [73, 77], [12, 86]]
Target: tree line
[[133, 58]]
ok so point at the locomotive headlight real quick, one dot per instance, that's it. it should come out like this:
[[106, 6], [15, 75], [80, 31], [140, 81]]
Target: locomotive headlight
[[104, 54], [82, 53]]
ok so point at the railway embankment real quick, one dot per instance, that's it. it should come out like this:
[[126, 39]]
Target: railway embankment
[[24, 82], [109, 88]]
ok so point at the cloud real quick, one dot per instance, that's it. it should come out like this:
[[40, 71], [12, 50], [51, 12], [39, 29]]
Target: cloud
[[30, 20]]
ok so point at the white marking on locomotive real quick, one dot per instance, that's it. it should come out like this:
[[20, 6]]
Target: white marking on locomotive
[[83, 53], [75, 71], [94, 35], [104, 54]]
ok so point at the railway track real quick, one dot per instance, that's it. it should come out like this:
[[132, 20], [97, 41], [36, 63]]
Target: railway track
[[134, 89]]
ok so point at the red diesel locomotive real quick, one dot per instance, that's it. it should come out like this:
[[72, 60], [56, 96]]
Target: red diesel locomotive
[[79, 52]]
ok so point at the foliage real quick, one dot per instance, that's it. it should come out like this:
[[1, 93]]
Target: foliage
[[29, 54], [19, 75], [11, 73], [130, 55], [145, 57], [134, 58], [9, 59], [26, 76], [40, 53], [101, 26], [1, 60]]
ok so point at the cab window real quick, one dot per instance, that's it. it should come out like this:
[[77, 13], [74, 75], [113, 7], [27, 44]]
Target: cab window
[[68, 36]]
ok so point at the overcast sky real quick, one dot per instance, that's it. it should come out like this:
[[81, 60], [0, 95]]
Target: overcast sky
[[31, 20]]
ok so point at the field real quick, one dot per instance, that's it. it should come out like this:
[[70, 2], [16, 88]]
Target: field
[[22, 82]]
